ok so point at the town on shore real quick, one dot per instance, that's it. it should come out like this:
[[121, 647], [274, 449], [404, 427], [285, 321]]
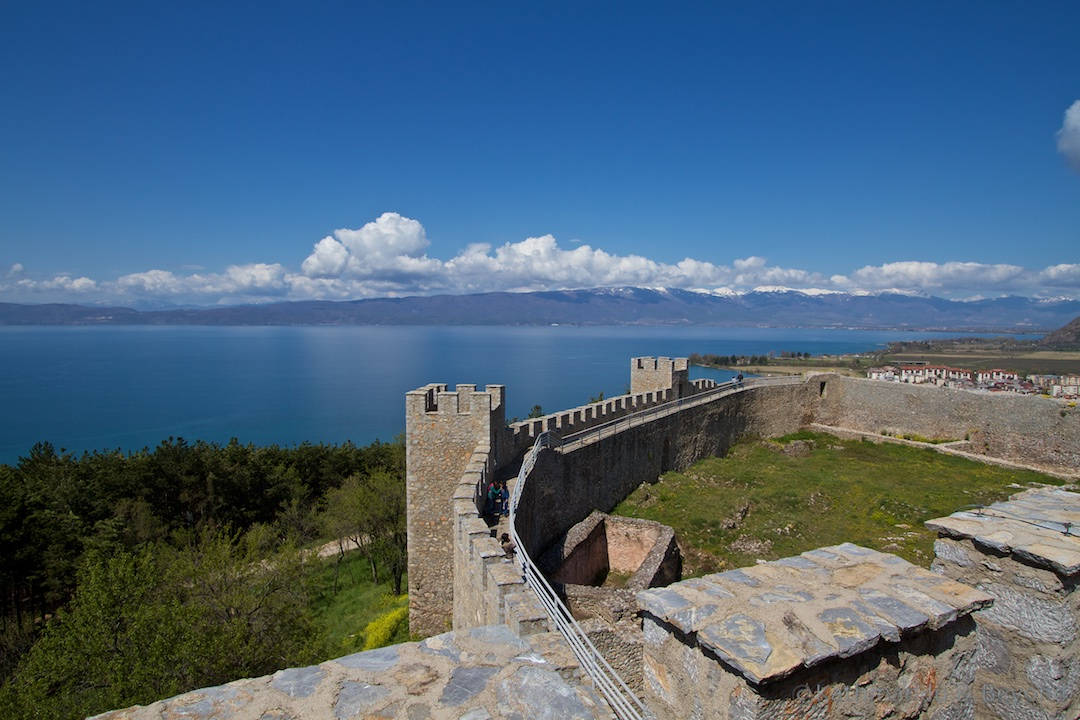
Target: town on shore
[[1065, 387]]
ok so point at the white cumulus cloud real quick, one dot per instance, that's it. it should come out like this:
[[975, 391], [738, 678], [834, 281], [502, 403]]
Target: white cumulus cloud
[[389, 257], [934, 277], [1061, 276], [1068, 137], [254, 279], [392, 246], [62, 282]]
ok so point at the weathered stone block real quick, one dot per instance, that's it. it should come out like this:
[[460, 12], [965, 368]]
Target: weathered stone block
[[1024, 554], [843, 632]]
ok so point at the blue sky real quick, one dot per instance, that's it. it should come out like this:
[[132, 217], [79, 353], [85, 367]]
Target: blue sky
[[189, 153]]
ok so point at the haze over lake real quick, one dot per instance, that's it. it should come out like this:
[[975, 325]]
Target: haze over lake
[[92, 388]]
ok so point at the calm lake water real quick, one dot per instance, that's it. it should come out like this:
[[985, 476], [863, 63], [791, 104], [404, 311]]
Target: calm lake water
[[131, 387]]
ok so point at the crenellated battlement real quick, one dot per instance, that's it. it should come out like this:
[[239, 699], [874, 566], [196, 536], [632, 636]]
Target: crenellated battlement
[[464, 399], [659, 363], [583, 417]]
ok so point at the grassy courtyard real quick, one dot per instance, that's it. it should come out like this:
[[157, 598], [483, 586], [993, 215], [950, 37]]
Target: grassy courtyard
[[771, 499]]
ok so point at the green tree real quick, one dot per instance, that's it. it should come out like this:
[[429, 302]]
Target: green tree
[[147, 625], [385, 499], [370, 512], [347, 518], [116, 644]]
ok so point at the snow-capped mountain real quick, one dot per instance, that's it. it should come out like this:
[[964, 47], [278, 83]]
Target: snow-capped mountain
[[763, 306]]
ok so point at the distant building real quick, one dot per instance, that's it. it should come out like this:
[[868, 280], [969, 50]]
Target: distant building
[[1068, 386], [937, 374], [989, 377], [995, 380], [1044, 382], [913, 373], [887, 372]]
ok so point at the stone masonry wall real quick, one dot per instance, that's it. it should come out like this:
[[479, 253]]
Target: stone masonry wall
[[442, 431], [476, 674], [927, 676], [1004, 425], [1029, 650], [834, 633], [1024, 554], [598, 475], [572, 420]]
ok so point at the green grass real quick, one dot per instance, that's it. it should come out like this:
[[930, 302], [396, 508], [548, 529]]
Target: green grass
[[759, 502], [359, 614]]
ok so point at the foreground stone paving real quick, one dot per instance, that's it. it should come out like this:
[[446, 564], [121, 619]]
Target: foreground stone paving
[[841, 631], [1025, 553], [478, 674]]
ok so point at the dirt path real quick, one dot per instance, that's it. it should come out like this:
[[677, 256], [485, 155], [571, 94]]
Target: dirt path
[[331, 548]]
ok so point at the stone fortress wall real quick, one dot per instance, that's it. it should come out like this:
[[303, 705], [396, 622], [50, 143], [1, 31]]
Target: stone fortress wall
[[455, 441], [1004, 425], [567, 484], [993, 631], [599, 474]]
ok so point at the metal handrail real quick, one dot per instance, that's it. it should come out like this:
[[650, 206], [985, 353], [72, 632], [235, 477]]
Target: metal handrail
[[626, 705], [623, 701]]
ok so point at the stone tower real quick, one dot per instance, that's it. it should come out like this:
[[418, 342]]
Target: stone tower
[[652, 374], [442, 430]]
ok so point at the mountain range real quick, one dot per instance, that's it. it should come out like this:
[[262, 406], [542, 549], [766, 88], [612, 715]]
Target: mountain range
[[599, 306]]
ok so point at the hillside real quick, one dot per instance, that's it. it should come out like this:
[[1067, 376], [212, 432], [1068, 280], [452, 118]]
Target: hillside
[[600, 306], [1064, 338]]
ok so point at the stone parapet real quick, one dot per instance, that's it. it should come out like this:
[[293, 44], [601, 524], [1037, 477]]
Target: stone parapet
[[574, 420], [643, 396], [837, 632], [1039, 527], [488, 587], [484, 672], [1025, 553]]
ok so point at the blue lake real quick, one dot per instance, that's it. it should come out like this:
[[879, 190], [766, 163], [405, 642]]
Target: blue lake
[[131, 387]]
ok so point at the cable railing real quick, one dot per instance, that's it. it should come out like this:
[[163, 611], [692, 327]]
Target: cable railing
[[623, 701], [576, 440]]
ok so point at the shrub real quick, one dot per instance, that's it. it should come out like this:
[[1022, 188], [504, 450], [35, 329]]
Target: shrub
[[382, 630]]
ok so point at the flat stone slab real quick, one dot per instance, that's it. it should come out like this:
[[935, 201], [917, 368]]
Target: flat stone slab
[[775, 618], [1040, 526], [483, 673]]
